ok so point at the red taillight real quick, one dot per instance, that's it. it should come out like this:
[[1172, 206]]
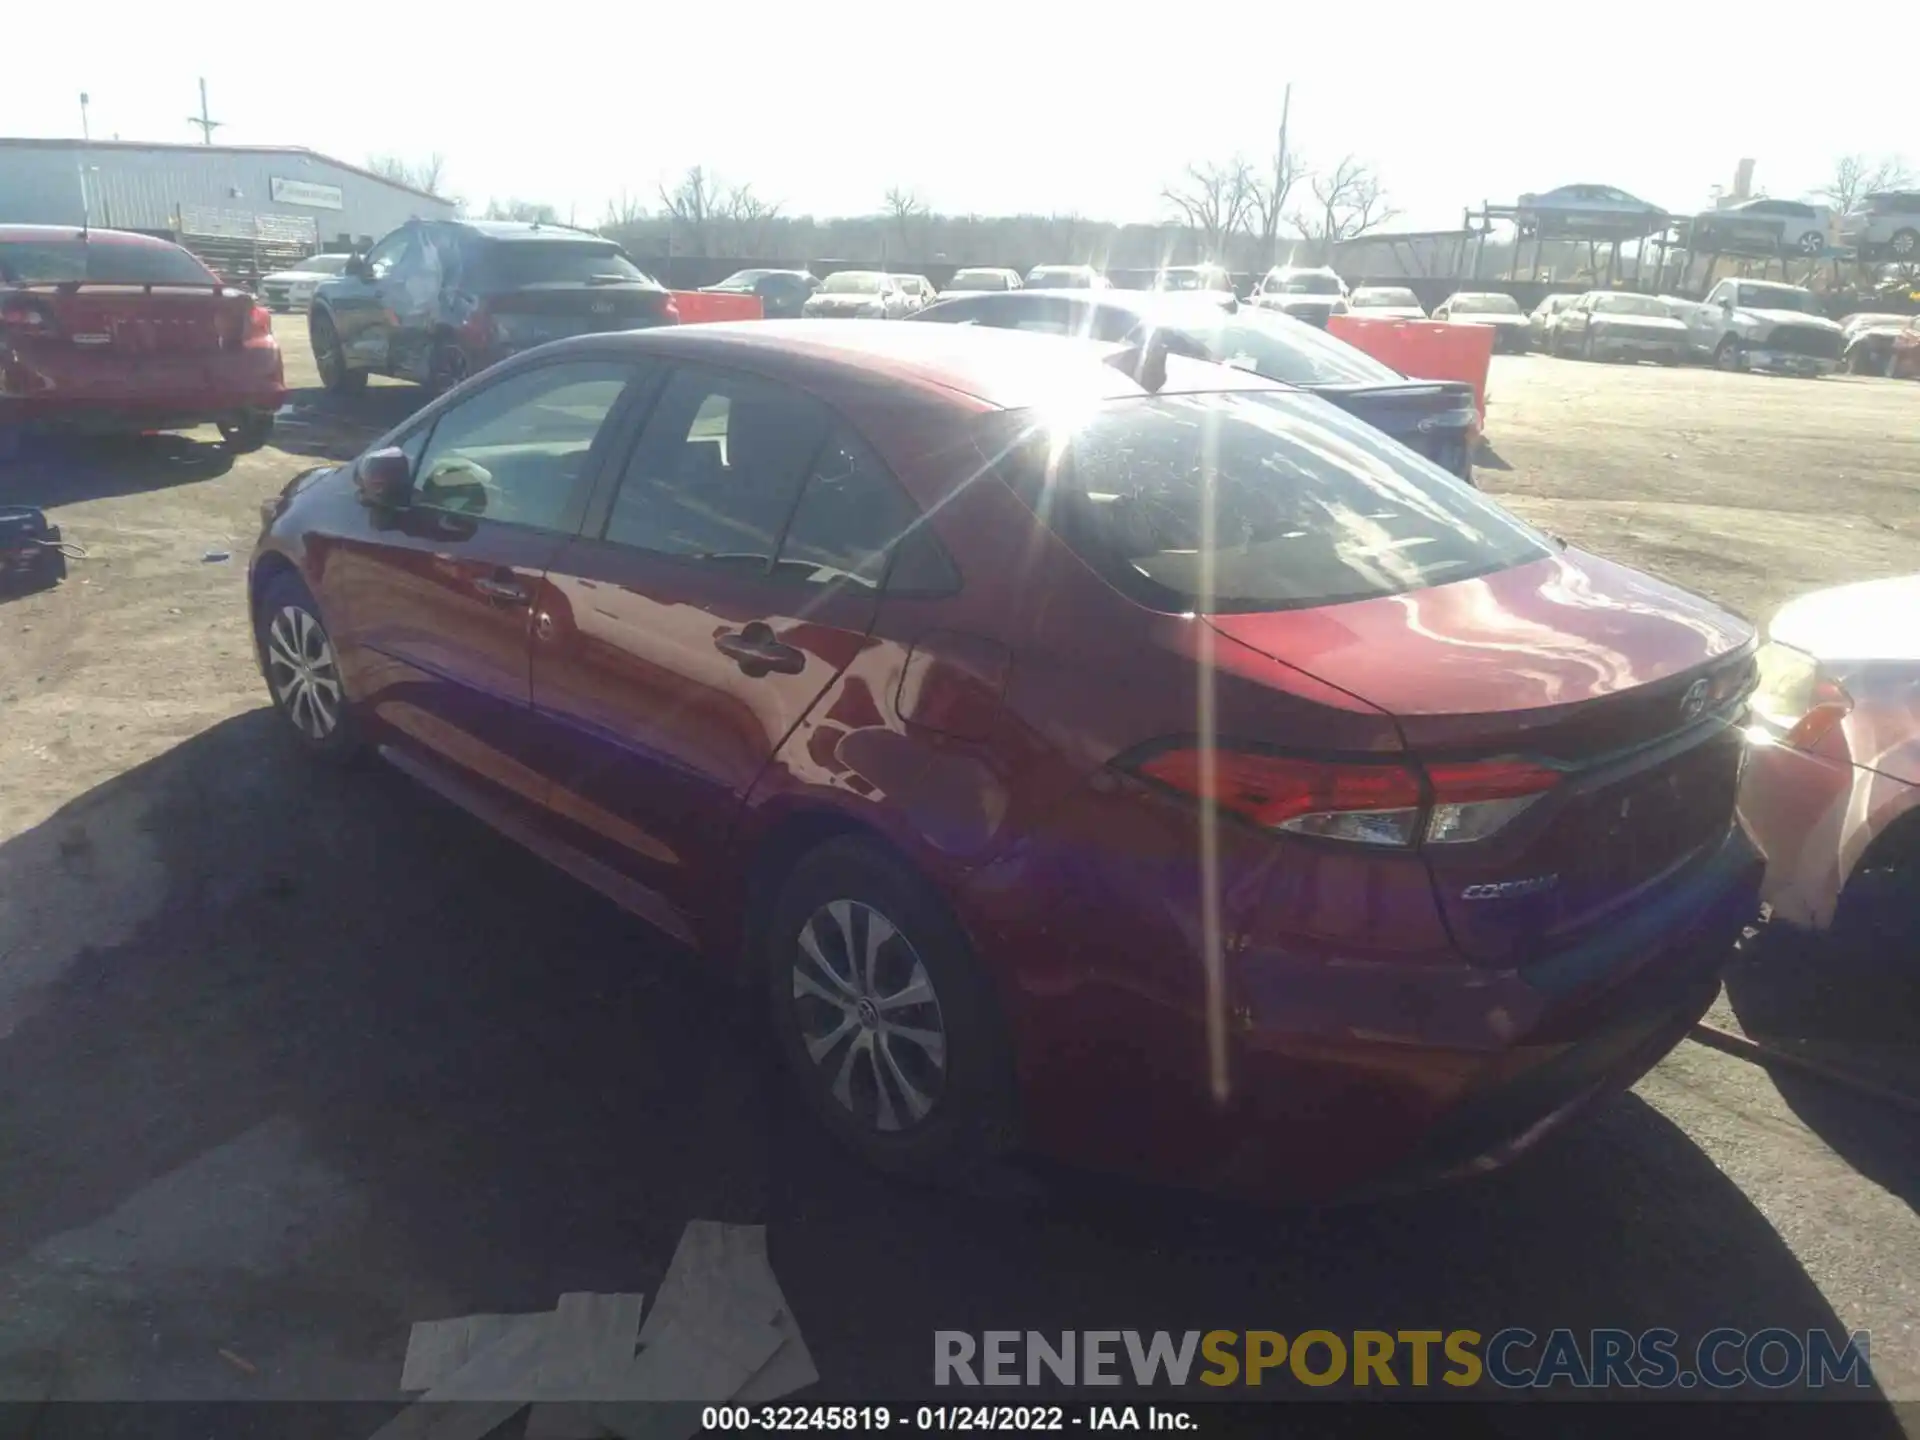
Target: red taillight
[[1364, 802], [259, 326], [1830, 705]]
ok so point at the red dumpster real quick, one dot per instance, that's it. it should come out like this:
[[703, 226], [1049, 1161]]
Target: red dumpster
[[1424, 349], [696, 306]]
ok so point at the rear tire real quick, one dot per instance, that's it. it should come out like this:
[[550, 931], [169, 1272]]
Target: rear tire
[[302, 671], [250, 433], [885, 1018], [1905, 244], [330, 360]]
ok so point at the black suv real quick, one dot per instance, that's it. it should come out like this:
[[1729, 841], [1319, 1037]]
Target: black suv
[[439, 300], [783, 293]]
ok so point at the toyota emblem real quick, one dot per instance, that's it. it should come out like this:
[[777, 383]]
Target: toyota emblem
[[1694, 702]]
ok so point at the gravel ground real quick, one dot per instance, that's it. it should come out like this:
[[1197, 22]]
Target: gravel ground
[[270, 1080]]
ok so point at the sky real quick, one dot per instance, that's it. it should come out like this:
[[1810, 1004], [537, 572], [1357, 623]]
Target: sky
[[997, 108]]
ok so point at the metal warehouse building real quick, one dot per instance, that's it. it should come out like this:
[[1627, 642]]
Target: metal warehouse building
[[244, 209]]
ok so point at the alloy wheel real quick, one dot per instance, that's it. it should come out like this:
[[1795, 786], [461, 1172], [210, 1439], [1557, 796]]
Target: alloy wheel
[[326, 353], [868, 1017], [302, 673]]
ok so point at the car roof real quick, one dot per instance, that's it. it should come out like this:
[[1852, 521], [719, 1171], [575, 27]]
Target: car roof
[[526, 230], [92, 235], [998, 369]]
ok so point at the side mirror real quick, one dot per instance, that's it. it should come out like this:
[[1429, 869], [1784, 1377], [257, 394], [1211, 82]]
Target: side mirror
[[384, 479]]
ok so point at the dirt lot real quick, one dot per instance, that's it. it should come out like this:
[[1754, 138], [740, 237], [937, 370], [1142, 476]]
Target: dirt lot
[[270, 1081]]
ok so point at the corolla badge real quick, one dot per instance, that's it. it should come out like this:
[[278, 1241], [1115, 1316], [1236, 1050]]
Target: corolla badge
[[1510, 889], [1694, 703]]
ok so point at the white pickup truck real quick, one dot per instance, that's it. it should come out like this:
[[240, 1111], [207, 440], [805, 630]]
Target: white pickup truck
[[1757, 325]]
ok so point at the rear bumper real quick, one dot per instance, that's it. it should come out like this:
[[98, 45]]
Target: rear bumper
[[1786, 363], [1641, 348], [1390, 1113], [157, 392]]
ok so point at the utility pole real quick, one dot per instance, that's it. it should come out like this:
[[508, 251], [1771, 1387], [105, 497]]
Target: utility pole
[[1280, 167], [85, 133], [203, 120]]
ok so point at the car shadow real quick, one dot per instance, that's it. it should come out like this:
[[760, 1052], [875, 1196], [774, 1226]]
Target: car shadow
[[1851, 1008], [291, 1058], [1487, 458], [59, 470], [317, 423]]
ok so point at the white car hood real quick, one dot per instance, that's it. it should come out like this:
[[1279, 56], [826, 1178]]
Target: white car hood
[[1871, 620], [1389, 312], [293, 277], [1788, 317], [1485, 318], [845, 302]]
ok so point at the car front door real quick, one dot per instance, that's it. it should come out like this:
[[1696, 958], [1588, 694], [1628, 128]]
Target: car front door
[[411, 292], [731, 578], [435, 598], [1707, 322], [360, 316]]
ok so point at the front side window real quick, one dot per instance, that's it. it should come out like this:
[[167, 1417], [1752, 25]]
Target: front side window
[[717, 469], [1241, 502], [516, 453], [388, 254]]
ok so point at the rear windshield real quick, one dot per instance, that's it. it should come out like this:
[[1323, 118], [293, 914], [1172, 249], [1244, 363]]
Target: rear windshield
[[1219, 503], [1062, 279], [978, 280], [1485, 305], [1282, 348], [742, 279], [559, 262], [44, 262], [1304, 284], [1631, 305], [852, 282], [1364, 298]]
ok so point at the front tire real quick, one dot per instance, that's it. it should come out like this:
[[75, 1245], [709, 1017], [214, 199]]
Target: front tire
[[1729, 354], [330, 360], [302, 670], [884, 1017]]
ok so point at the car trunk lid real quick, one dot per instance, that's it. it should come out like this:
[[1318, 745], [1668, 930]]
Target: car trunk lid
[[1433, 418], [1626, 686], [130, 321]]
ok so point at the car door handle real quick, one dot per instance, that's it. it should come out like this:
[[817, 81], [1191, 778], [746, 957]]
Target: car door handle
[[505, 591], [757, 652]]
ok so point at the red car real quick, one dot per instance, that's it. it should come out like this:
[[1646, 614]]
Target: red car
[[102, 330], [1125, 757]]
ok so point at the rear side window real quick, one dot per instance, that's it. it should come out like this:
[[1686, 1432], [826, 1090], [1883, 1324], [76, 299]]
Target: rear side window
[[512, 263], [851, 518], [1238, 502], [54, 262]]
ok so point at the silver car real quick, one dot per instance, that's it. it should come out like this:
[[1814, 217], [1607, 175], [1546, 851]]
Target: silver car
[[1619, 325], [858, 294]]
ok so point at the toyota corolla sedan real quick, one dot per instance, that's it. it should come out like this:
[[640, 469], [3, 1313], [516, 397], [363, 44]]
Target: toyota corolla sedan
[[1071, 746]]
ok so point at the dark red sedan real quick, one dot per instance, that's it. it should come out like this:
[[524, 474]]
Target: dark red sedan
[[104, 330], [1126, 757]]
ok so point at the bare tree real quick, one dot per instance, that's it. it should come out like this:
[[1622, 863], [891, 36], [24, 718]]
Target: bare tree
[[424, 174], [1855, 177], [624, 212], [749, 218], [905, 206], [1348, 201], [1270, 194], [692, 205], [512, 209], [1214, 202]]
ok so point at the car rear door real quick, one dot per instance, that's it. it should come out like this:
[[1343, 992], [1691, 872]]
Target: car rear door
[[718, 591], [434, 602]]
